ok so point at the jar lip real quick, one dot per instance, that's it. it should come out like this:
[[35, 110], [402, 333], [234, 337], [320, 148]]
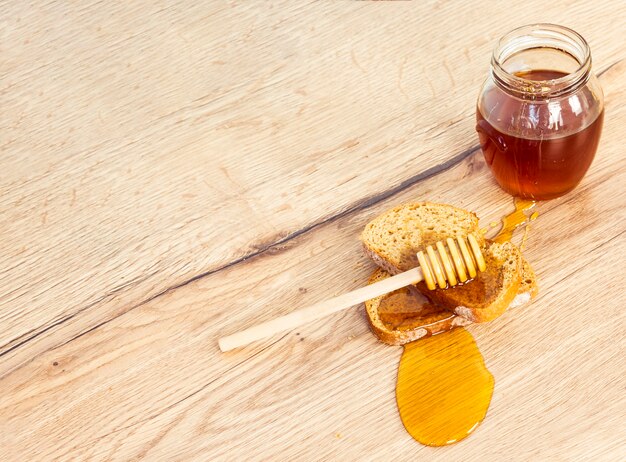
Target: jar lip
[[572, 43]]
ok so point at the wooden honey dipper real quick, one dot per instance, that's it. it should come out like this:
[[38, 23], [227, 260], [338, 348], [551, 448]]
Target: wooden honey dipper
[[446, 266]]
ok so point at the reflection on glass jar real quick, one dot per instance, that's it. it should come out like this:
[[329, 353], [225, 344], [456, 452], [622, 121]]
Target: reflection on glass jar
[[540, 111]]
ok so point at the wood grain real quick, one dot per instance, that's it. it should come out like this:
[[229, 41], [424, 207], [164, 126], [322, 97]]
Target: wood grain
[[172, 173]]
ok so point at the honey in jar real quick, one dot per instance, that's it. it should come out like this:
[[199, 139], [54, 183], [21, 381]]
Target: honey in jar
[[540, 112]]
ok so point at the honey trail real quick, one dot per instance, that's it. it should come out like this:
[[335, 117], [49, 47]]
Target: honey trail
[[516, 219], [443, 389], [532, 217]]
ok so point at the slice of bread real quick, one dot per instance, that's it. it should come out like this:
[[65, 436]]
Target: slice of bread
[[408, 315], [404, 315], [393, 238]]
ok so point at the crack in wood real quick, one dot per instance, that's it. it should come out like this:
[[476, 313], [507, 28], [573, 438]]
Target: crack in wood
[[68, 317], [262, 249], [358, 206]]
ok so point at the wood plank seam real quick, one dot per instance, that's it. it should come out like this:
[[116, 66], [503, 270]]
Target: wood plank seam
[[359, 206], [106, 296], [545, 212], [356, 207]]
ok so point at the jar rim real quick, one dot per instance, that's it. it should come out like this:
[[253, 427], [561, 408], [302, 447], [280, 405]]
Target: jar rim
[[528, 37]]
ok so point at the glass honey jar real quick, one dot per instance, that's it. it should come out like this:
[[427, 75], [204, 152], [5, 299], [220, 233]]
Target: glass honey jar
[[540, 112]]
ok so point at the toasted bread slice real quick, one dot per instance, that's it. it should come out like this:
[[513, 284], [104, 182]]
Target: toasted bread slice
[[393, 238], [404, 315]]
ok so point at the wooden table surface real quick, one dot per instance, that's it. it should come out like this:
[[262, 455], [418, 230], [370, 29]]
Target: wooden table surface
[[174, 171]]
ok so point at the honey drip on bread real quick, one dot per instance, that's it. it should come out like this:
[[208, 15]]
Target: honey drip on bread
[[444, 389]]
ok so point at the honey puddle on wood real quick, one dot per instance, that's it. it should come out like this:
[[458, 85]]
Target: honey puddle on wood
[[444, 389]]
